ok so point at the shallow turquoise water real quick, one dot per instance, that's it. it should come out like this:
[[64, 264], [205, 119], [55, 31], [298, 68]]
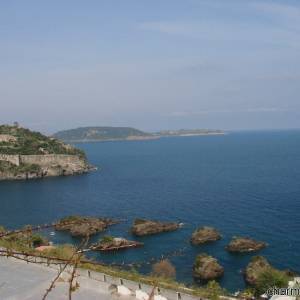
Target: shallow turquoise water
[[242, 183]]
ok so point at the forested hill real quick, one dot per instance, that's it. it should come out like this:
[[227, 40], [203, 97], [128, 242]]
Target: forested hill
[[84, 134]]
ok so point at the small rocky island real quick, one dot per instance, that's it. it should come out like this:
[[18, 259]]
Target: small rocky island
[[109, 243], [205, 235], [143, 227], [25, 154], [242, 245], [207, 267], [83, 226]]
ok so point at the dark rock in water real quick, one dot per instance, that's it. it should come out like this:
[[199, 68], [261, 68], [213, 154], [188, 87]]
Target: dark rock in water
[[204, 235], [115, 243], [83, 226], [207, 267], [245, 245], [257, 265], [146, 227]]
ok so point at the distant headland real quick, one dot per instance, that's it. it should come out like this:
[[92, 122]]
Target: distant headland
[[101, 134]]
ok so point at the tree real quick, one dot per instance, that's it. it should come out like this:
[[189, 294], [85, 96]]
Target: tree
[[164, 268]]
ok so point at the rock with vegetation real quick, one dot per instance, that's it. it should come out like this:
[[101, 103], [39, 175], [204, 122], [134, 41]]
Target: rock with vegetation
[[204, 235], [143, 227], [262, 275], [207, 267], [25, 154], [109, 243], [83, 226], [242, 245]]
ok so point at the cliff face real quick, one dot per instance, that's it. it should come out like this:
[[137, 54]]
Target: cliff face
[[26, 155], [39, 166]]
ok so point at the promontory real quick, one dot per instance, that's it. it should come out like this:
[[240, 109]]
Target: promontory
[[26, 154], [109, 133]]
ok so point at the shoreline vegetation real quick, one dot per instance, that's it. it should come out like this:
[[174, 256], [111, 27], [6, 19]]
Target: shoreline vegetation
[[259, 274], [110, 134]]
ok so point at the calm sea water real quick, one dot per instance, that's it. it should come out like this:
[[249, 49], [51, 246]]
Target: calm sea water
[[244, 184]]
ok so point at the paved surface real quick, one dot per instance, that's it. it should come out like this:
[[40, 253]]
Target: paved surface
[[22, 281]]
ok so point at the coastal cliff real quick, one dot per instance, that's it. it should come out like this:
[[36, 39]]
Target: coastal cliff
[[26, 155]]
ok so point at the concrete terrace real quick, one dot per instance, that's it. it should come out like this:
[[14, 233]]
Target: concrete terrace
[[27, 281]]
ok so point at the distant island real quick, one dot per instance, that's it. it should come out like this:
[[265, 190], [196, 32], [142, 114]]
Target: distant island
[[188, 132], [97, 134], [26, 154]]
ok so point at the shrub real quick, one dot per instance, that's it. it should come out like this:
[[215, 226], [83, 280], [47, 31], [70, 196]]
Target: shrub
[[107, 239], [164, 268], [2, 229], [38, 240], [214, 290], [270, 278], [61, 251]]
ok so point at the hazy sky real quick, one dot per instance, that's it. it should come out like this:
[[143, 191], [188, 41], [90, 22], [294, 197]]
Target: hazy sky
[[151, 64]]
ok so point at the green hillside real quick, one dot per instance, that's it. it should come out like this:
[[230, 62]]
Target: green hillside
[[18, 140], [100, 134]]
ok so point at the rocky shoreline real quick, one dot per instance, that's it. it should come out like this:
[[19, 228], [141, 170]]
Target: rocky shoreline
[[46, 171]]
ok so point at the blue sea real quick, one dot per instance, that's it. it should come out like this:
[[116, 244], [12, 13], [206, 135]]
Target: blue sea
[[242, 183]]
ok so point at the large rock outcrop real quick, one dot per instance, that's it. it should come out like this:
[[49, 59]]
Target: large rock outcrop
[[25, 154], [39, 166], [143, 227], [207, 267], [205, 235], [242, 245], [83, 226]]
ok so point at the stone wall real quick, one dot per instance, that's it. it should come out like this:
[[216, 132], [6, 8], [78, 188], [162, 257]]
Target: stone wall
[[52, 159], [13, 159]]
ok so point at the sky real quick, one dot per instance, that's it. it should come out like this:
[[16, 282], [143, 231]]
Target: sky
[[159, 64]]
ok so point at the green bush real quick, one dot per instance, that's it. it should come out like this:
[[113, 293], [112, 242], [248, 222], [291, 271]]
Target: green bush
[[38, 240], [269, 279], [214, 290], [107, 239]]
